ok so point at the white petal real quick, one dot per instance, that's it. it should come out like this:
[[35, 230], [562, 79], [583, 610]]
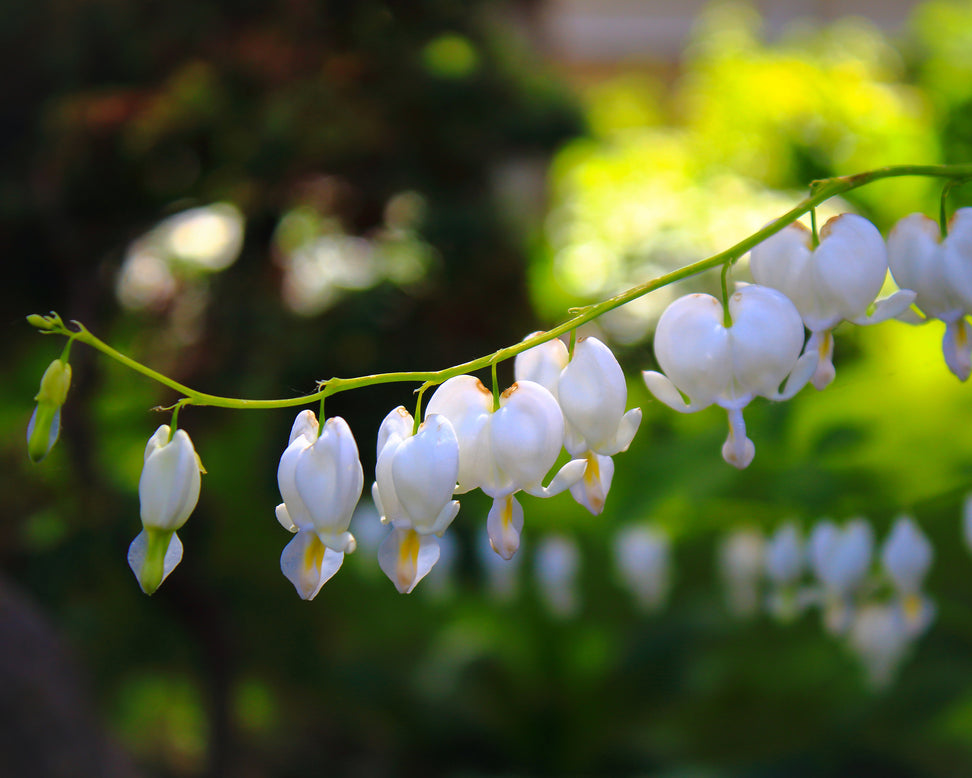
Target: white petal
[[822, 344], [957, 348], [504, 525], [738, 450], [424, 470], [803, 371], [665, 391], [892, 307], [625, 433], [591, 491], [168, 488], [305, 425], [542, 364], [907, 555], [308, 564], [329, 478], [917, 263], [397, 425], [138, 548], [692, 348], [567, 476], [407, 557], [593, 394], [284, 518], [526, 436], [468, 405]]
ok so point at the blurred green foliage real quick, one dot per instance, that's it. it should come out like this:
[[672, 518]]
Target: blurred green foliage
[[316, 119]]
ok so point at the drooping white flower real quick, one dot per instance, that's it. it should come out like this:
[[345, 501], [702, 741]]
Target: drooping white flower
[[556, 566], [878, 637], [741, 564], [505, 451], [840, 559], [45, 422], [415, 477], [940, 272], [835, 282], [784, 558], [907, 555], [729, 366], [643, 558], [592, 393], [168, 491], [320, 480]]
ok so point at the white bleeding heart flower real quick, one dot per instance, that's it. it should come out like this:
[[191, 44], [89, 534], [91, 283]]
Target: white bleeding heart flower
[[940, 272], [556, 568], [506, 450], [840, 559], [878, 637], [836, 281], [320, 480], [168, 491], [643, 558], [592, 393], [784, 557], [415, 477], [907, 555], [741, 564], [730, 365]]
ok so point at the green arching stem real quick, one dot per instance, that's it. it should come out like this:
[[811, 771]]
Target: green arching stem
[[820, 191]]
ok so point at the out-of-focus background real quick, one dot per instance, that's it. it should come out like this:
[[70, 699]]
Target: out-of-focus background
[[250, 196]]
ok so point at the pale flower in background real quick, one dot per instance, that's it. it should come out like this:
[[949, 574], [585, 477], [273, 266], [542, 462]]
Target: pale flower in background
[[556, 565], [840, 559], [643, 559], [741, 563], [907, 556]]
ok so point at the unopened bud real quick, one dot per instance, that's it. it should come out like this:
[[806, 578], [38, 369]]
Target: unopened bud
[[45, 423]]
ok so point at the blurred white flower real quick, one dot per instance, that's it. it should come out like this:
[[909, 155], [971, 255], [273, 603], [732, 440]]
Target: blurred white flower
[[742, 566], [907, 555], [643, 558], [840, 559], [879, 638], [556, 565], [784, 558]]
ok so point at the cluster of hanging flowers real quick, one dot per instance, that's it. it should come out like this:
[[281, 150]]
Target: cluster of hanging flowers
[[872, 599], [728, 352]]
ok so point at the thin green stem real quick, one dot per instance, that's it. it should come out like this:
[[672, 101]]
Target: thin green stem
[[417, 419], [814, 235], [820, 191], [573, 342], [726, 317], [495, 386]]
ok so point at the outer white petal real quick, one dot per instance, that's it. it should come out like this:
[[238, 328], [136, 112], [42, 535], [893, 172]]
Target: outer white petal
[[767, 338], [329, 479], [692, 349], [397, 425], [784, 262], [406, 557], [957, 348], [283, 516], [308, 564], [286, 481], [468, 405], [916, 262], [957, 250], [592, 490], [424, 470], [665, 391], [383, 490], [907, 555], [168, 488], [526, 435], [542, 364], [593, 395], [894, 306], [566, 477], [138, 548], [504, 525], [850, 265], [305, 425]]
